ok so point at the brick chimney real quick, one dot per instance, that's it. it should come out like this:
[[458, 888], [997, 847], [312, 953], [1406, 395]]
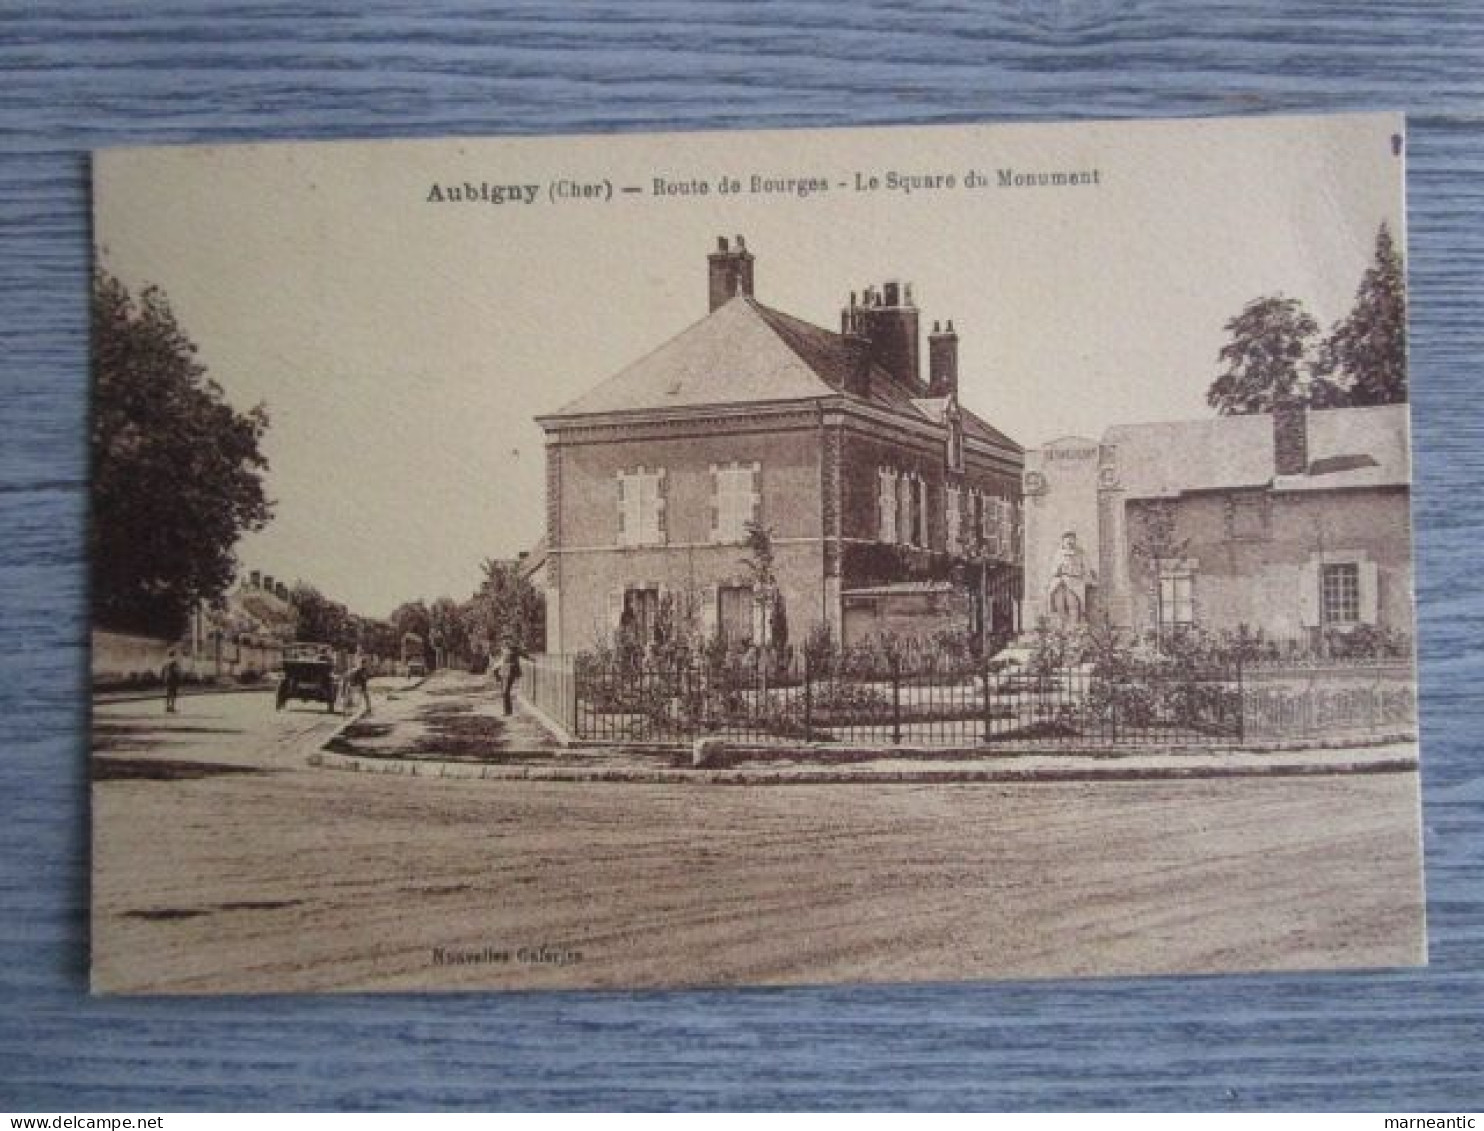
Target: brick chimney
[[857, 351], [729, 271], [887, 318], [1290, 437], [943, 362]]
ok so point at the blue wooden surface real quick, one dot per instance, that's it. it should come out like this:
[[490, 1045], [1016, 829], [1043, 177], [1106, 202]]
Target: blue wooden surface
[[76, 76]]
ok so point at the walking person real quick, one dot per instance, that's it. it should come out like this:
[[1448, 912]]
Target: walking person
[[359, 680], [170, 673], [511, 661]]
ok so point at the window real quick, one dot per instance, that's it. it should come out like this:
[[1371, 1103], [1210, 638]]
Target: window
[[641, 507], [734, 500], [989, 528], [640, 618], [952, 520], [1176, 600], [1340, 593], [734, 607], [886, 503], [996, 527]]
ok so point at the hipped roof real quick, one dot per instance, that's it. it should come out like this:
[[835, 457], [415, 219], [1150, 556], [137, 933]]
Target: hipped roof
[[747, 353]]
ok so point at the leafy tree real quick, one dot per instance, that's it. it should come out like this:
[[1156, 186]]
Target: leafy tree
[[447, 629], [1266, 358], [507, 604], [413, 617], [379, 638], [1364, 359], [177, 472], [321, 620]]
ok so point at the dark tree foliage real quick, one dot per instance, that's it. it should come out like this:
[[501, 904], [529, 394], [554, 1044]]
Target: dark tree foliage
[[412, 617], [1364, 359], [320, 620], [177, 472], [507, 607], [1266, 358]]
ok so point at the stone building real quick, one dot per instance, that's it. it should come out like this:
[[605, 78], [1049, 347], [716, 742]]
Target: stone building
[[892, 507], [1293, 523]]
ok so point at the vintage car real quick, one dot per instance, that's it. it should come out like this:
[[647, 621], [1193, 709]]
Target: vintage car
[[309, 673]]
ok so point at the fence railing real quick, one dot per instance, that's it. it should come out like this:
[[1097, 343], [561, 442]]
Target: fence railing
[[550, 682], [939, 701]]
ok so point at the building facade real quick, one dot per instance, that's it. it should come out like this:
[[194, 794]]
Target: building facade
[[890, 506], [1295, 523]]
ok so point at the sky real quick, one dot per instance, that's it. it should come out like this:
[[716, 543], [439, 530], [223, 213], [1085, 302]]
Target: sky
[[403, 344]]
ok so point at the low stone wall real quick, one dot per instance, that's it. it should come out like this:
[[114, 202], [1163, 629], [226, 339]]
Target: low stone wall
[[120, 658]]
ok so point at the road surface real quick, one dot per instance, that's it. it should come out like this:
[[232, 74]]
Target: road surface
[[224, 862]]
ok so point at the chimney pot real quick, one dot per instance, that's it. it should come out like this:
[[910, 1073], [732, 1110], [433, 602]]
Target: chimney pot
[[729, 272]]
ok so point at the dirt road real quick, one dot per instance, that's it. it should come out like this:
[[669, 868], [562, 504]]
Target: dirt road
[[262, 874]]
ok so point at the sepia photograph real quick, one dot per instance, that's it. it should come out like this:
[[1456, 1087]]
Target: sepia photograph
[[913, 554]]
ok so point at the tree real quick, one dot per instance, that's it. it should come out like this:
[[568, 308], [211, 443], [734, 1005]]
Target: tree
[[447, 630], [1267, 357], [319, 619], [177, 472], [1364, 359], [759, 565], [508, 605]]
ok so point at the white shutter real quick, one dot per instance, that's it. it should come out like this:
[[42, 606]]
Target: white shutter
[[1370, 594], [623, 518], [886, 502], [924, 538], [709, 598], [1309, 600], [661, 494], [716, 502], [755, 482]]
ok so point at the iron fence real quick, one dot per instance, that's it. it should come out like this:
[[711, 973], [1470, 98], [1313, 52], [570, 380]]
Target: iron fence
[[928, 699]]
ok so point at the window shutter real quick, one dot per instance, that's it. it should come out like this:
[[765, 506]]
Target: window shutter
[[755, 480], [1309, 594], [709, 598], [615, 609], [1370, 593], [623, 530], [886, 501], [715, 511], [923, 536], [661, 496]]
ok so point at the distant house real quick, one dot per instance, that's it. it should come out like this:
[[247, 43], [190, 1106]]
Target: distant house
[[1294, 523], [892, 506]]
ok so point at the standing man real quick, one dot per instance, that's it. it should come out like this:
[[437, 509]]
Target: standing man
[[511, 660], [360, 680], [171, 675]]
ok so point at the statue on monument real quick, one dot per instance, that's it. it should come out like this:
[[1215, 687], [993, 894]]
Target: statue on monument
[[1066, 591]]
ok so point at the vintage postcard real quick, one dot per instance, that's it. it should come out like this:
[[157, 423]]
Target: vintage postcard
[[873, 555]]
